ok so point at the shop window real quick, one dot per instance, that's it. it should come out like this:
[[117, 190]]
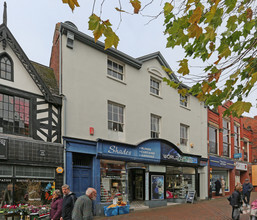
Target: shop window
[[217, 174], [6, 68], [236, 139], [34, 192], [113, 180], [115, 117], [14, 115], [155, 126], [115, 70], [6, 192], [179, 180], [213, 142], [183, 134], [226, 137]]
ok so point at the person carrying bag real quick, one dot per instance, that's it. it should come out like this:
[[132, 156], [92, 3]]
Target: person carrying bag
[[235, 200]]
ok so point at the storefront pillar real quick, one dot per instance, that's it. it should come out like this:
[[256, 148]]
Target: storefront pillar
[[197, 182], [96, 178], [69, 173]]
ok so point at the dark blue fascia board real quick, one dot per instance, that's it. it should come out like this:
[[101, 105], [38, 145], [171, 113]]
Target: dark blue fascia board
[[84, 38]]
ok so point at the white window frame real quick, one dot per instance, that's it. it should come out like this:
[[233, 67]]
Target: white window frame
[[112, 123], [229, 136], [217, 137], [155, 126], [238, 134], [184, 101], [154, 90], [111, 71], [184, 140]]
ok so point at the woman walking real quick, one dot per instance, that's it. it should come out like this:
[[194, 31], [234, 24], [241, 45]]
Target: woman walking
[[56, 205]]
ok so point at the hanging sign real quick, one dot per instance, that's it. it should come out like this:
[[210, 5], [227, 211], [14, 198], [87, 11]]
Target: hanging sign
[[59, 170]]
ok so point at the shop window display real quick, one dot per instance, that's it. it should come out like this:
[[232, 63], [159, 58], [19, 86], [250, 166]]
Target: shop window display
[[113, 180], [179, 180], [217, 174]]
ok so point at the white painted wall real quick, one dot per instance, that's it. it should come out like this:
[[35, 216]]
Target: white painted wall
[[22, 79], [88, 88]]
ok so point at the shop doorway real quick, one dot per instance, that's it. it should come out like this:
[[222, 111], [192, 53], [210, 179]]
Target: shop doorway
[[82, 173], [136, 184]]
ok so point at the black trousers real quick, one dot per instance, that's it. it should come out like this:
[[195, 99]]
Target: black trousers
[[247, 196], [217, 191]]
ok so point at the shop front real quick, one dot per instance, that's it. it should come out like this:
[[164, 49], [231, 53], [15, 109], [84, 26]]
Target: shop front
[[152, 172], [241, 172], [221, 168]]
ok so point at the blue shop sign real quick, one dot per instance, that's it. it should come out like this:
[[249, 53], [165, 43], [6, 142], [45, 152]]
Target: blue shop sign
[[172, 153], [146, 151], [221, 162], [238, 155]]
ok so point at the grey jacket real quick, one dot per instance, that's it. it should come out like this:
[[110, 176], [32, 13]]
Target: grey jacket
[[82, 209]]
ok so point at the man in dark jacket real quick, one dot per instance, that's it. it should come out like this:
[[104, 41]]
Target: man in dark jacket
[[68, 202], [83, 206], [247, 189], [217, 187], [236, 202]]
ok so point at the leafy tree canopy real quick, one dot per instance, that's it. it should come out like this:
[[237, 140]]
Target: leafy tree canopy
[[221, 33]]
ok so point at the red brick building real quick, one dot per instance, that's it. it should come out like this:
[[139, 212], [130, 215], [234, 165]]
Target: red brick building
[[229, 147]]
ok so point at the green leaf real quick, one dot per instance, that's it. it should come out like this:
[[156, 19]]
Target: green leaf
[[231, 23], [94, 20]]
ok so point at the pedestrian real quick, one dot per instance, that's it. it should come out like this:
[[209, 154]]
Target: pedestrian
[[69, 200], [247, 189], [83, 206], [223, 186], [236, 202], [56, 205], [217, 187]]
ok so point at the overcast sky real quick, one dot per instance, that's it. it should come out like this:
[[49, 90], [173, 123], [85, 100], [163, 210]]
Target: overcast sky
[[32, 23]]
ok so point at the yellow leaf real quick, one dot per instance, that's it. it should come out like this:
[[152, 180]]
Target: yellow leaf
[[194, 31], [136, 5], [71, 3], [120, 10], [206, 88], [183, 92], [226, 52], [196, 16], [167, 8], [111, 38], [183, 67], [240, 107], [98, 32], [253, 79], [210, 33], [93, 22]]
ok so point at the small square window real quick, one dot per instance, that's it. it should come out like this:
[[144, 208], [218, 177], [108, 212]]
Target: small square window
[[184, 101], [115, 70]]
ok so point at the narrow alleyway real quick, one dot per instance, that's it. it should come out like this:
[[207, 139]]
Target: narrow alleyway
[[217, 208]]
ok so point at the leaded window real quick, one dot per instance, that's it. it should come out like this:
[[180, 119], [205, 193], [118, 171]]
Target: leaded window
[[184, 100], [14, 115], [6, 68]]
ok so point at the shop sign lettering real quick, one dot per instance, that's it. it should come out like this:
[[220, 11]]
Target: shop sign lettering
[[146, 152], [116, 150], [179, 158], [5, 180]]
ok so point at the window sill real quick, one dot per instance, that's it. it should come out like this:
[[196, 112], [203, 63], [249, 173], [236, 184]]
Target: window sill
[[117, 80], [185, 107], [156, 96]]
